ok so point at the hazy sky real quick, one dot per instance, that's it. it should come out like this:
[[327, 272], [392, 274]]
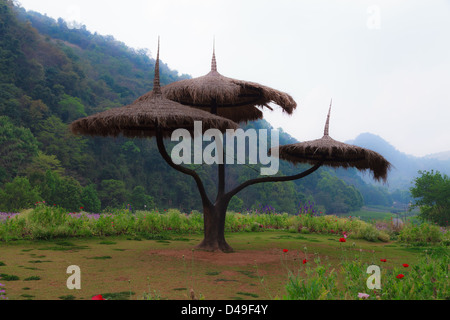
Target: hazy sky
[[385, 64]]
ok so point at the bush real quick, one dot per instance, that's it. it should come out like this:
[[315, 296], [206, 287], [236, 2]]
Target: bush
[[423, 233], [62, 191], [18, 195], [90, 200], [369, 232]]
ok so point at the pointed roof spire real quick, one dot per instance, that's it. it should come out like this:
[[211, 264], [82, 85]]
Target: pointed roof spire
[[327, 124], [214, 62], [156, 83]]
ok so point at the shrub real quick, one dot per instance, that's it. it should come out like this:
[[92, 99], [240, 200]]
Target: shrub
[[423, 233], [18, 195], [90, 200]]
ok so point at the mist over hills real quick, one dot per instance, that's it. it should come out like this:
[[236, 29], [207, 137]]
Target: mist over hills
[[405, 167], [443, 156]]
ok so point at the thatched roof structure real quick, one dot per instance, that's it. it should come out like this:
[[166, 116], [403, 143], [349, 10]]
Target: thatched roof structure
[[234, 99], [147, 114], [335, 154]]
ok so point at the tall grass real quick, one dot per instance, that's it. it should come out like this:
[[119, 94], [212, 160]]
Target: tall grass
[[47, 222]]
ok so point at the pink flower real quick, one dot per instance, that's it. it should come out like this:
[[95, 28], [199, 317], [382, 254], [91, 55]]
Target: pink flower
[[363, 295]]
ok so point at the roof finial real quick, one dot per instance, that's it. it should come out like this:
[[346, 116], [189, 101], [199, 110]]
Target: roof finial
[[156, 84], [327, 124], [214, 62]]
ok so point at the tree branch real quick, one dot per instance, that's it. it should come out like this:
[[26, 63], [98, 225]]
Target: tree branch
[[248, 183], [162, 150]]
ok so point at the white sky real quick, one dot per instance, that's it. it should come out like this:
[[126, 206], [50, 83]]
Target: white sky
[[385, 64]]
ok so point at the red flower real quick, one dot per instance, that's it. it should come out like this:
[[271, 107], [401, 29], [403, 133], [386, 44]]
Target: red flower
[[305, 261], [285, 250], [400, 276], [98, 297], [383, 260], [342, 240], [406, 265]]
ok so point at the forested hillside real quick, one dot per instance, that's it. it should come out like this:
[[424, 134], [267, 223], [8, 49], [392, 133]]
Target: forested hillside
[[51, 75]]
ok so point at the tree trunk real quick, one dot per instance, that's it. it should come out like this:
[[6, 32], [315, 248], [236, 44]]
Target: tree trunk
[[214, 228]]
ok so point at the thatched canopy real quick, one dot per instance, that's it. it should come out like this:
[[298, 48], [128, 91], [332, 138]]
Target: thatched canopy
[[235, 99], [146, 114], [335, 154]]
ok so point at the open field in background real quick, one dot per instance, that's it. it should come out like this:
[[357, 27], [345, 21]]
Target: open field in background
[[368, 213]]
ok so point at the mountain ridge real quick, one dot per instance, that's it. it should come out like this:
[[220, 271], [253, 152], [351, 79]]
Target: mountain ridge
[[405, 166]]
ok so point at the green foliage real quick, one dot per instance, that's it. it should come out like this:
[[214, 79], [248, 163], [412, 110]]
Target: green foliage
[[56, 139], [336, 195], [319, 284], [38, 167], [113, 193], [420, 234], [432, 195], [141, 201], [62, 191], [17, 147], [70, 108], [8, 277], [236, 204], [426, 280], [17, 195], [90, 200]]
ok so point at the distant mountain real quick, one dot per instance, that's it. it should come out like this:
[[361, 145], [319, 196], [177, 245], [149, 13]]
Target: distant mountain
[[443, 156], [406, 166]]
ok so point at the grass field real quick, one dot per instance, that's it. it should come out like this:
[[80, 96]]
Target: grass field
[[121, 268]]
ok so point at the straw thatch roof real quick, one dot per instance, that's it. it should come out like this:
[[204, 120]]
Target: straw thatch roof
[[245, 113], [235, 99], [147, 114], [335, 154]]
